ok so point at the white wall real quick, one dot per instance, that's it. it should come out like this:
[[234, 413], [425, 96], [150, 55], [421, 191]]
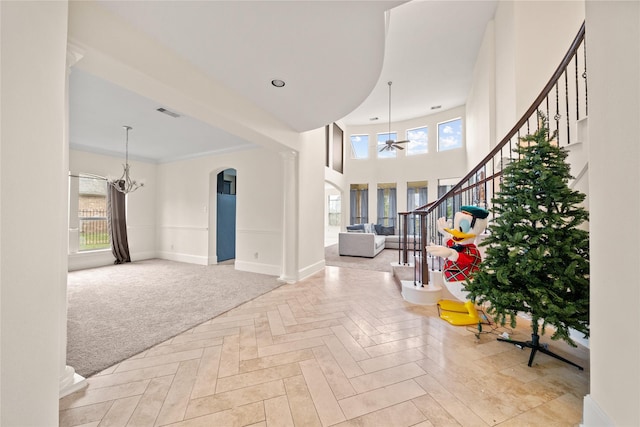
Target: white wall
[[337, 179], [141, 207], [426, 167], [531, 37], [311, 203], [544, 32], [480, 107], [32, 176], [613, 43], [183, 205]]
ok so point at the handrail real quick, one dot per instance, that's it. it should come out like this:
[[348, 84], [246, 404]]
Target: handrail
[[485, 173], [525, 117]]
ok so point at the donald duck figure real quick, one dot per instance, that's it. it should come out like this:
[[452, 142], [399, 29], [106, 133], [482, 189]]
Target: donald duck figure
[[461, 253], [462, 259]]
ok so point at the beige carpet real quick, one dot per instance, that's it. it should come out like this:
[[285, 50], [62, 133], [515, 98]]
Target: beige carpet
[[381, 262], [118, 311]]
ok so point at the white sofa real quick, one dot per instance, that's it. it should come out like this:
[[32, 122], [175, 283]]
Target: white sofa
[[360, 244], [393, 242]]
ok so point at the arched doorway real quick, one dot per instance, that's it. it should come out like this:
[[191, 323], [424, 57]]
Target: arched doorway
[[225, 225], [333, 213]]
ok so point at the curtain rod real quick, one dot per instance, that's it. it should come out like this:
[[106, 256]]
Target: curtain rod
[[89, 176]]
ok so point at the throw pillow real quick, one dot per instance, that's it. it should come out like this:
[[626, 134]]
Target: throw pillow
[[357, 228], [388, 231]]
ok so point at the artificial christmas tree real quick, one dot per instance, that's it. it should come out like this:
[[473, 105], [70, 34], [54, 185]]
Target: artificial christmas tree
[[537, 257]]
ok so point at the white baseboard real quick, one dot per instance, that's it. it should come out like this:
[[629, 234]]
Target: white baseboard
[[71, 382], [254, 267], [89, 259], [311, 270], [579, 337], [593, 415], [139, 256], [190, 259]]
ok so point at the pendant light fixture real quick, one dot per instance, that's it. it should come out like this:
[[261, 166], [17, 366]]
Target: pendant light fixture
[[125, 184]]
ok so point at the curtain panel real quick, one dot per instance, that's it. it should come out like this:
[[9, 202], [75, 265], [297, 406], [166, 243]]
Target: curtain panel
[[117, 223], [353, 206], [380, 209], [393, 208], [364, 206]]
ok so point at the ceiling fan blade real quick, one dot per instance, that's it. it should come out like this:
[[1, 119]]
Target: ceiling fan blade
[[398, 147], [382, 149], [402, 142]]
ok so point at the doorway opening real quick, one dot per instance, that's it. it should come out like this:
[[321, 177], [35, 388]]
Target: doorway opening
[[333, 213], [226, 215]]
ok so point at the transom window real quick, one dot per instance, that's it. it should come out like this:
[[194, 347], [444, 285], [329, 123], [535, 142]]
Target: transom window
[[359, 146], [418, 141], [382, 142], [450, 135]]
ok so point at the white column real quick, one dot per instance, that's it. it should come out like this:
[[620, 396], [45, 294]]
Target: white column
[[70, 381], [290, 218], [33, 39]]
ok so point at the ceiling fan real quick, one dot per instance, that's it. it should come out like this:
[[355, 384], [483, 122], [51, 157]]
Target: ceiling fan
[[390, 144]]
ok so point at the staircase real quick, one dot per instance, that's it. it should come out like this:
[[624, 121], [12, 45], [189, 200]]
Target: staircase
[[564, 101]]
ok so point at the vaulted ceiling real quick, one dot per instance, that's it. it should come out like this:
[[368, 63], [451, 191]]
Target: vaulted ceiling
[[335, 58]]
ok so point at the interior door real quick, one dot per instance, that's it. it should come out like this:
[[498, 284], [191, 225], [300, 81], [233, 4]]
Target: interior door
[[226, 227]]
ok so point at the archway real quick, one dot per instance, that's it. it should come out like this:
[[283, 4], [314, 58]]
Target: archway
[[332, 213]]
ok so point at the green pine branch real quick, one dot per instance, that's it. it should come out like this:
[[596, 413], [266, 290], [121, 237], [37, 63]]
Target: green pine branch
[[537, 257]]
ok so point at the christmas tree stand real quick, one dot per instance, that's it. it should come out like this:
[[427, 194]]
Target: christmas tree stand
[[535, 346]]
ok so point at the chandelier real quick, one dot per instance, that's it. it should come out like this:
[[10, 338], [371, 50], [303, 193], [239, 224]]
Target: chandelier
[[125, 184]]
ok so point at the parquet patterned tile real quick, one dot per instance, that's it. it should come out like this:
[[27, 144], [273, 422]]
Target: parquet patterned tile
[[340, 348]]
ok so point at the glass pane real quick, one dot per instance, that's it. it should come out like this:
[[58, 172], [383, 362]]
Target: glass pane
[[359, 146], [418, 141], [382, 140], [334, 209], [450, 135], [92, 214]]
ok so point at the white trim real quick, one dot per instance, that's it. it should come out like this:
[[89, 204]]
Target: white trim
[[311, 269], [163, 160], [183, 227], [190, 259], [71, 382], [593, 415], [139, 256], [254, 267], [579, 337], [90, 259], [264, 232]]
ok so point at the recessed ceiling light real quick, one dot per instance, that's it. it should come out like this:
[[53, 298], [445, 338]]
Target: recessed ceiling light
[[373, 119], [277, 82], [436, 107]]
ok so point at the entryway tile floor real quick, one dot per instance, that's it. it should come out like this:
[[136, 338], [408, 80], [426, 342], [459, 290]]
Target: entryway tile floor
[[341, 348]]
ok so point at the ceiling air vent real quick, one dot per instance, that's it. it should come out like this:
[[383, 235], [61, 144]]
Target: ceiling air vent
[[168, 112]]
